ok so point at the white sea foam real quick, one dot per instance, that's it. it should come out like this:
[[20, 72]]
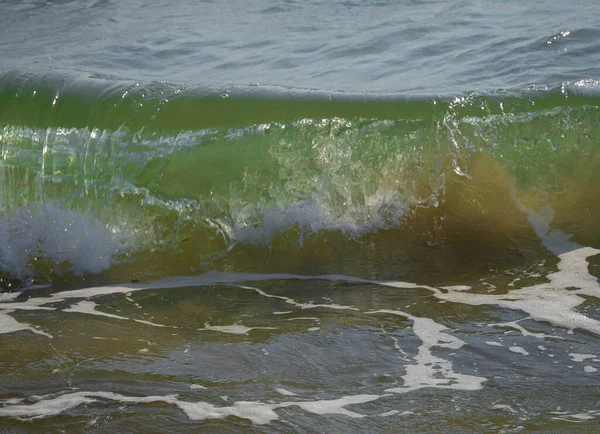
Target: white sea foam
[[396, 412], [333, 406], [309, 305], [576, 357], [89, 308], [46, 407], [389, 413], [430, 370], [10, 325], [284, 392], [515, 325], [382, 209], [518, 350], [257, 412], [234, 329], [548, 302], [40, 232], [51, 406], [504, 407], [576, 417], [494, 344]]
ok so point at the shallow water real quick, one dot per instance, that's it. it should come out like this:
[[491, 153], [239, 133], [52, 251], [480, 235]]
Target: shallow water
[[227, 351], [299, 217]]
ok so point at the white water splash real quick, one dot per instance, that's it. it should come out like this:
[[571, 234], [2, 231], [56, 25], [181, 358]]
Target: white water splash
[[40, 232], [258, 225]]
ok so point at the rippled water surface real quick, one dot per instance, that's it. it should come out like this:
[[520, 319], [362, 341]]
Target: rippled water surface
[[381, 46]]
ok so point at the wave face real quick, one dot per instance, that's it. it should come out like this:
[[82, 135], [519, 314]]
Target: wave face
[[157, 168]]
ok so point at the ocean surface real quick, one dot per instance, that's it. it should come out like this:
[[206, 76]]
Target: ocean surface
[[299, 216]]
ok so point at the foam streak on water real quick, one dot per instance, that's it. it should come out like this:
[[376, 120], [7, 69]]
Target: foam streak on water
[[550, 302]]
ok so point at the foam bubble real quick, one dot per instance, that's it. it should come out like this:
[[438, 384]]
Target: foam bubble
[[45, 407]]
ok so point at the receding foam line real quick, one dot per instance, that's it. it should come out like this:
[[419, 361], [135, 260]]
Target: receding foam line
[[211, 278], [234, 329], [550, 302], [432, 371], [515, 325], [257, 412], [293, 302], [89, 308], [9, 325]]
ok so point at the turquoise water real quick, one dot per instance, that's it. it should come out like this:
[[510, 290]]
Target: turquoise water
[[299, 216]]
